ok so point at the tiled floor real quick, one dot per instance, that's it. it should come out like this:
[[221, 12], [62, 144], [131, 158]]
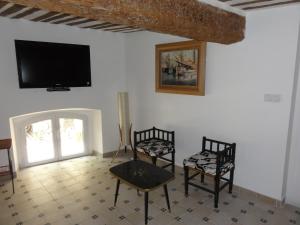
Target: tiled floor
[[81, 191]]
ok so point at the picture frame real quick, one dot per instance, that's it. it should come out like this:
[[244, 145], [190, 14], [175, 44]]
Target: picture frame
[[180, 68]]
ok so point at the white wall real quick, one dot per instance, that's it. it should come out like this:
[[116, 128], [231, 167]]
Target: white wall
[[293, 165], [233, 109], [108, 75], [237, 77]]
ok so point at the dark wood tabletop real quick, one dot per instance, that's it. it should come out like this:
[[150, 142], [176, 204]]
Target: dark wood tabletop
[[142, 175]]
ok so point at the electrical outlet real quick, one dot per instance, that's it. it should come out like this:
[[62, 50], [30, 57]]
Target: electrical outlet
[[276, 98], [272, 98]]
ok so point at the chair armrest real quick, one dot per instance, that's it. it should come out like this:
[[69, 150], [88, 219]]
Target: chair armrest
[[226, 155]]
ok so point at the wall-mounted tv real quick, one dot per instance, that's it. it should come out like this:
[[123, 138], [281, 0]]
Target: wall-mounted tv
[[55, 66]]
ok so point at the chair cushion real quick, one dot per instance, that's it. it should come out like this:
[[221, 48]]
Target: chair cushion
[[206, 162], [155, 147]]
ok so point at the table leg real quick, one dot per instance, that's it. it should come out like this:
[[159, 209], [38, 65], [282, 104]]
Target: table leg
[[11, 170], [167, 197], [146, 207], [117, 192]]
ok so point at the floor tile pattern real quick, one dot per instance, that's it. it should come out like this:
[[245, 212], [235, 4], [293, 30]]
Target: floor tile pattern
[[81, 191]]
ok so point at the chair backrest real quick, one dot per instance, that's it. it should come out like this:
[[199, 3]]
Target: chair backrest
[[5, 144], [164, 135], [225, 151], [154, 133], [214, 145]]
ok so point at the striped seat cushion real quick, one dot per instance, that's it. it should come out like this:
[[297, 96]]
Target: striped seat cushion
[[206, 162], [155, 147]]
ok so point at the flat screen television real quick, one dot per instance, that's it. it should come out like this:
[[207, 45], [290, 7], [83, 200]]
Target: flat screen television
[[55, 66]]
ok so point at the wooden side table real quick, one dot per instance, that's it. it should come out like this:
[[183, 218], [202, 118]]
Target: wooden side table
[[5, 144], [144, 177]]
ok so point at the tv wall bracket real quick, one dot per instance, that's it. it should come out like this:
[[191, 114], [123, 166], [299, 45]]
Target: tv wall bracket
[[51, 89]]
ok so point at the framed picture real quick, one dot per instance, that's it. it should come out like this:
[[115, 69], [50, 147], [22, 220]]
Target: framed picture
[[180, 68]]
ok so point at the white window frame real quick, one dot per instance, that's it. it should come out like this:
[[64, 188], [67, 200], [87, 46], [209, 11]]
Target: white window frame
[[85, 131], [54, 117]]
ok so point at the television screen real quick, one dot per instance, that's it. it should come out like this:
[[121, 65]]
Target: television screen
[[50, 65]]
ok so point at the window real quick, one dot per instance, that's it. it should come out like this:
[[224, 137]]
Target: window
[[54, 138]]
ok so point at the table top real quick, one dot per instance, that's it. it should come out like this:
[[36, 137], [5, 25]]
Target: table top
[[5, 144], [142, 175]]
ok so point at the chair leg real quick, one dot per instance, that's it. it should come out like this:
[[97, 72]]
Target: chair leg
[[231, 180], [217, 190], [186, 181], [154, 160], [146, 207], [134, 154], [202, 177], [117, 192], [167, 197], [173, 162]]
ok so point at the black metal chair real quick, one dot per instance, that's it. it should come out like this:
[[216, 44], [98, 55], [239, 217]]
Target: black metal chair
[[156, 143], [8, 169], [216, 159]]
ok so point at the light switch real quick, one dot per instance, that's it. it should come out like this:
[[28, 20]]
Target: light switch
[[276, 98], [268, 97], [272, 98]]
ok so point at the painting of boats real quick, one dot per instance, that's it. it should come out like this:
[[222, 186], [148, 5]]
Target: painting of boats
[[180, 67]]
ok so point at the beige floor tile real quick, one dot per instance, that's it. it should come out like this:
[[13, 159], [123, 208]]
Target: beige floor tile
[[7, 219], [220, 218], [193, 219], [136, 218], [81, 191], [35, 221]]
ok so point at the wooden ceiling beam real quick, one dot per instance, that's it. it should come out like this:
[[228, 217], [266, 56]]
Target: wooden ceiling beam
[[105, 26], [250, 2], [132, 31], [120, 29], [12, 9], [45, 16], [81, 22], [95, 25], [68, 20], [2, 4], [270, 5], [55, 17], [26, 13], [186, 18]]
